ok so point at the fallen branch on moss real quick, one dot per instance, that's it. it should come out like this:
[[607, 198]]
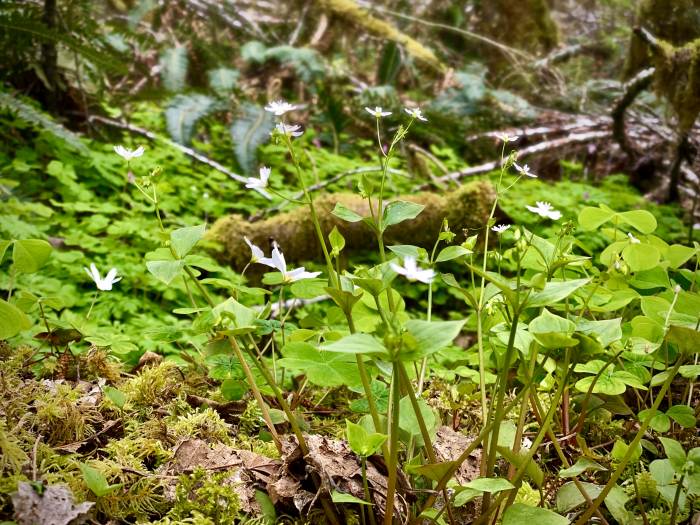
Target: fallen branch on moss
[[466, 209]]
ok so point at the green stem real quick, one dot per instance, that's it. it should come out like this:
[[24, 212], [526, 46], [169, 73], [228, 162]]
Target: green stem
[[392, 466], [676, 497]]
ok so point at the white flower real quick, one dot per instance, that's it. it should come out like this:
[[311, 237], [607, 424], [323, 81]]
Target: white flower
[[106, 283], [280, 107], [128, 154], [524, 170], [277, 261], [500, 228], [412, 272], [291, 130], [377, 112], [260, 183], [633, 239], [415, 113], [256, 254], [544, 209], [506, 138]]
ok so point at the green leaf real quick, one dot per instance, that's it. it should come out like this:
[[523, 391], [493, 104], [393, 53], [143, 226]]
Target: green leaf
[[606, 331], [233, 389], [430, 336], [490, 484], [356, 344], [620, 448], [28, 255], [343, 497], [249, 131], [3, 247], [115, 396], [683, 415], [555, 291], [267, 507], [687, 339], [642, 220], [641, 256], [345, 213], [552, 331], [309, 288], [398, 211], [582, 465], [432, 471], [452, 252], [362, 442], [662, 471], [658, 420], [520, 514], [322, 368], [591, 218], [234, 317], [165, 271], [183, 240], [12, 320], [337, 241], [96, 482], [408, 422], [569, 497], [674, 453]]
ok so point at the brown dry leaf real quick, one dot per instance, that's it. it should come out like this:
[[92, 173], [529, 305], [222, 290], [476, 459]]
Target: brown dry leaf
[[448, 445], [247, 468], [54, 507]]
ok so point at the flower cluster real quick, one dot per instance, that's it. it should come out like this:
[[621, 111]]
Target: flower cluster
[[378, 112]]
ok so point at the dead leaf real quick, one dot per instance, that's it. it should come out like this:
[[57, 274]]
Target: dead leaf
[[54, 507], [448, 445]]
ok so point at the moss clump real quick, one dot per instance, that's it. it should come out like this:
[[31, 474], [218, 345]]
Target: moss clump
[[466, 209], [205, 424], [154, 386], [201, 498]]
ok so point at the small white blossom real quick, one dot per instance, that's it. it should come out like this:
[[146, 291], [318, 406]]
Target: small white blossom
[[280, 107], [544, 209], [377, 112], [260, 183], [277, 261], [106, 283], [633, 239], [291, 130], [256, 254], [415, 113], [412, 272], [500, 228], [506, 138], [128, 154], [524, 170]]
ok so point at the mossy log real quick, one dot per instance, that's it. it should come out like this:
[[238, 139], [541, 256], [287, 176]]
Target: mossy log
[[466, 208], [353, 13]]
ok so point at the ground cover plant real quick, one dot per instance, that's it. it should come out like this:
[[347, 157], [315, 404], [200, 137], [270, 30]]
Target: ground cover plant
[[262, 299]]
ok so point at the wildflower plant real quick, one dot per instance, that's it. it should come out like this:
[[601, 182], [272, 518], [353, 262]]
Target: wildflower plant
[[549, 315]]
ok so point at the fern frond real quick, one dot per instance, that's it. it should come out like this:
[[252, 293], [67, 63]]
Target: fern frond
[[40, 120], [183, 113], [248, 132], [173, 72]]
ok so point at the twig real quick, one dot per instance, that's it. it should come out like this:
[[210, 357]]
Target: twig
[[184, 149], [549, 145]]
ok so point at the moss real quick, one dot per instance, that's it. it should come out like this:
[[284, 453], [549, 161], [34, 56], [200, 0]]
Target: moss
[[350, 11], [61, 416], [525, 25], [676, 22], [154, 386], [466, 209], [205, 424], [678, 79], [205, 498]]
